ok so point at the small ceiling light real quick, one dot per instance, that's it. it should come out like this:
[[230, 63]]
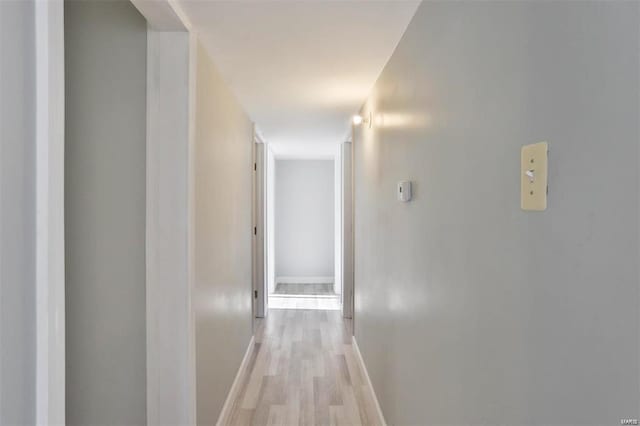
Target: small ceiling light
[[358, 120]]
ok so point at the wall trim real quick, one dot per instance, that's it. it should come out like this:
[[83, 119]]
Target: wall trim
[[191, 222], [305, 280], [50, 376], [223, 419], [337, 221], [167, 293], [363, 367]]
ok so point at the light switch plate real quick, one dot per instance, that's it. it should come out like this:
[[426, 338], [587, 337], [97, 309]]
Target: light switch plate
[[533, 176]]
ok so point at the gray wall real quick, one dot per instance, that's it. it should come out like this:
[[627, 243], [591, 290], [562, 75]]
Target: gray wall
[[304, 218], [222, 208], [17, 213], [488, 314], [105, 44]]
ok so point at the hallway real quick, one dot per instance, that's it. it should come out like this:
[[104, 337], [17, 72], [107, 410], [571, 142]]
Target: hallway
[[195, 194], [303, 370]]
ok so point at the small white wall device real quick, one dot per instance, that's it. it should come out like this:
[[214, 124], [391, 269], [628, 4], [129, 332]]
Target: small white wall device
[[404, 191]]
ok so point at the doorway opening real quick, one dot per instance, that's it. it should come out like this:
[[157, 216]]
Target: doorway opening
[[300, 231], [304, 234]]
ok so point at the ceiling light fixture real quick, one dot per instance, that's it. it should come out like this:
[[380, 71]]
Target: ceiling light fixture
[[358, 120]]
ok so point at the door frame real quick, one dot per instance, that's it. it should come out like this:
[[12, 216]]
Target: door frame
[[259, 261], [347, 269], [50, 372]]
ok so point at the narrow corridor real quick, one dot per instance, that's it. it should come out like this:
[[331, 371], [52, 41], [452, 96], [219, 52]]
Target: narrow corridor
[[304, 370], [195, 193]]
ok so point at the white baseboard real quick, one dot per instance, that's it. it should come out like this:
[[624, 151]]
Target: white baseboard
[[304, 280], [223, 419], [363, 367]]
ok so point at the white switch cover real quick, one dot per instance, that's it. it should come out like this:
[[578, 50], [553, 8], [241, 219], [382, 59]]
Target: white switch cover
[[404, 191], [533, 176]]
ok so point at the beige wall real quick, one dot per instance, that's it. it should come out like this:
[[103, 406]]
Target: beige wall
[[222, 299], [488, 314]]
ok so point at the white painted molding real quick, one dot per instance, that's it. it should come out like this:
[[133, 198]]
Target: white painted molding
[[258, 242], [235, 387], [191, 223], [160, 15], [363, 368], [304, 280], [347, 230], [166, 20], [50, 278], [270, 227], [163, 15], [337, 221], [167, 293]]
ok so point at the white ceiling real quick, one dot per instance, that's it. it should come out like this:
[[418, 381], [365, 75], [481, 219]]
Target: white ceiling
[[300, 68]]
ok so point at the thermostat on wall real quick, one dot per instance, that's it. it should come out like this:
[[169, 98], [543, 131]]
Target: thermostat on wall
[[404, 190]]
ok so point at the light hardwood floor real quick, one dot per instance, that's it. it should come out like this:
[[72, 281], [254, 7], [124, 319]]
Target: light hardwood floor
[[304, 289], [287, 301], [303, 371]]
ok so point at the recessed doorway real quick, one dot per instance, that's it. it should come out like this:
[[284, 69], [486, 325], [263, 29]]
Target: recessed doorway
[[304, 235]]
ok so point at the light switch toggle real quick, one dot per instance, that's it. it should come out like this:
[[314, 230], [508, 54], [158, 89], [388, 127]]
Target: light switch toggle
[[531, 174]]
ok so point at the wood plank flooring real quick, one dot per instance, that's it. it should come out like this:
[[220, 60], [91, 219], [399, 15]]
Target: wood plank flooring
[[304, 289], [287, 301], [303, 371]]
